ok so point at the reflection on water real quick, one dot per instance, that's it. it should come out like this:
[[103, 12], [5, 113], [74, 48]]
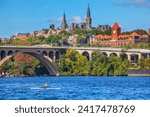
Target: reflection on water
[[75, 88]]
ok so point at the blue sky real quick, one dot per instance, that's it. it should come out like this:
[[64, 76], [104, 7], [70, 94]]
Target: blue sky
[[29, 15]]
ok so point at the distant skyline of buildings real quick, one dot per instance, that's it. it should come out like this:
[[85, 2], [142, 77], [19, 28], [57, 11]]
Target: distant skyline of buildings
[[26, 17], [87, 24]]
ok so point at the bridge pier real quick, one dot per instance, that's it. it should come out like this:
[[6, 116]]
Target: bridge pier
[[146, 55], [129, 57], [54, 57]]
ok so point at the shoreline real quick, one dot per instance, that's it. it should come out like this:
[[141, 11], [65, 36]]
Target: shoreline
[[137, 75], [131, 72]]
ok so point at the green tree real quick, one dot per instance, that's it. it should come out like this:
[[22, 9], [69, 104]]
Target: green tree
[[123, 56], [98, 63], [144, 63], [118, 65], [73, 63]]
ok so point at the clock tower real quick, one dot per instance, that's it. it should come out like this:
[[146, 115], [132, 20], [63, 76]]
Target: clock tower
[[116, 30]]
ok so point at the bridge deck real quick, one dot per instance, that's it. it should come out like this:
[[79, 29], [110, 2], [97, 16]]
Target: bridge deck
[[76, 48]]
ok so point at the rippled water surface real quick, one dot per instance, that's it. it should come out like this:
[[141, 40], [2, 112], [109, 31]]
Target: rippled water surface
[[75, 88]]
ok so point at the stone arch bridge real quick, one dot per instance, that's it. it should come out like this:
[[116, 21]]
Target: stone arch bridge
[[47, 54]]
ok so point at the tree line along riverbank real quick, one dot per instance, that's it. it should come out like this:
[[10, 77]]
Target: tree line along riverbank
[[73, 64]]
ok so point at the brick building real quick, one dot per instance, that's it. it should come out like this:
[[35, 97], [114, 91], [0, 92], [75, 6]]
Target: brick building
[[22, 36], [149, 31], [117, 39]]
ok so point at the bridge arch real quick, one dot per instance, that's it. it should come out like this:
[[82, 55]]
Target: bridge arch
[[123, 55], [45, 60], [86, 54], [93, 54], [113, 54], [104, 53], [44, 53], [10, 52], [3, 54], [134, 58], [51, 55], [57, 55]]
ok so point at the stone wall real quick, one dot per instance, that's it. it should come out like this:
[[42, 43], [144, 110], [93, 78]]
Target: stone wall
[[138, 72]]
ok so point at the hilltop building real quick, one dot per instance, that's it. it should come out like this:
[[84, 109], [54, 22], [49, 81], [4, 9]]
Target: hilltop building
[[42, 32], [64, 24], [88, 19], [22, 36], [5, 40], [149, 31], [104, 27], [74, 26], [52, 27], [73, 40], [84, 25], [117, 39]]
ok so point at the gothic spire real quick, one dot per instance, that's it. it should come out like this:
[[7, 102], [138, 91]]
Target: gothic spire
[[88, 19], [64, 24], [64, 18], [88, 12]]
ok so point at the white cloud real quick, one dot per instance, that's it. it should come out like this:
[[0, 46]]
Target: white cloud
[[59, 19], [77, 19]]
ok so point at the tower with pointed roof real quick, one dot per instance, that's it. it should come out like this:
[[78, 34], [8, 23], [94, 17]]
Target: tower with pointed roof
[[88, 19], [116, 31], [64, 24], [149, 31]]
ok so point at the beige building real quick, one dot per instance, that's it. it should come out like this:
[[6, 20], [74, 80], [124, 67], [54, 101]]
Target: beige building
[[73, 40]]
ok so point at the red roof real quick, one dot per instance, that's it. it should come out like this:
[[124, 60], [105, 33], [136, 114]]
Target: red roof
[[134, 34], [103, 36], [116, 25]]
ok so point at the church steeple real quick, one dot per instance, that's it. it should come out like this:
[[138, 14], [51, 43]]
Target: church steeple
[[64, 24], [88, 11], [88, 19]]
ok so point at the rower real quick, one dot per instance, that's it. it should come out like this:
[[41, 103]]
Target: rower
[[45, 86]]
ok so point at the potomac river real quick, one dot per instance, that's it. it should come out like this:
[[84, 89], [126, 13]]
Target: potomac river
[[75, 88]]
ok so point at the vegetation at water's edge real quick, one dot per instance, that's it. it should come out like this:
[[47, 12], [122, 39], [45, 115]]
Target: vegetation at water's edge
[[23, 65], [75, 64]]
